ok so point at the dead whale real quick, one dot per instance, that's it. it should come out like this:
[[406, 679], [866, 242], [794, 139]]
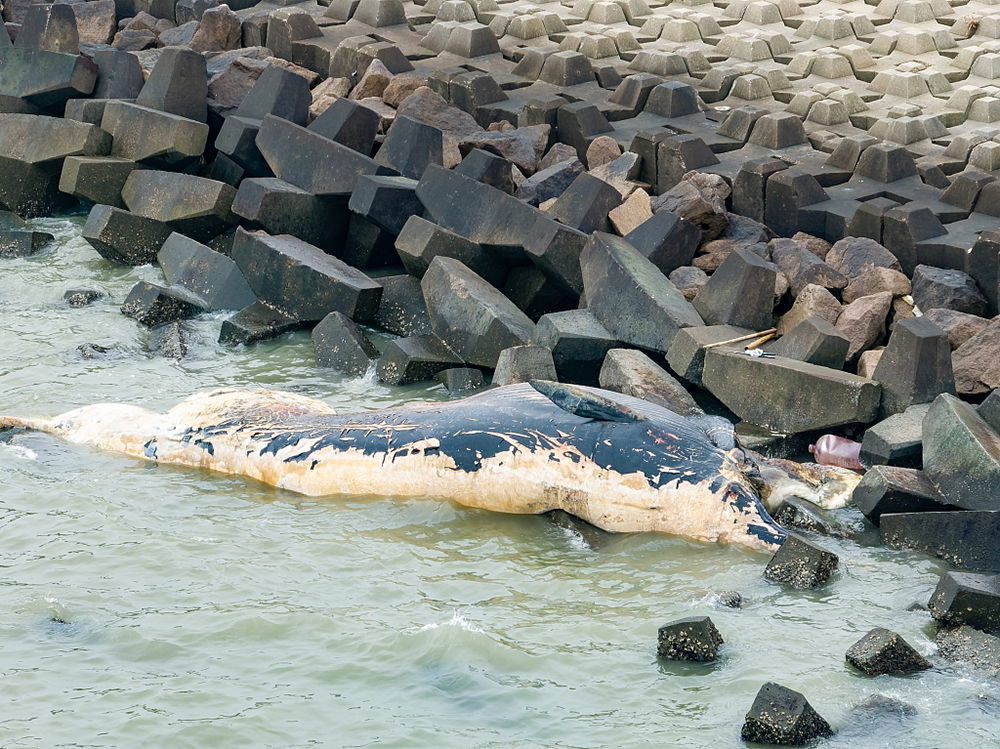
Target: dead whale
[[620, 463]]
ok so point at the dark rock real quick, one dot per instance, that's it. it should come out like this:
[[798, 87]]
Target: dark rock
[[788, 396], [123, 237], [499, 222], [688, 280], [915, 366], [460, 379], [750, 184], [801, 564], [989, 410], [630, 296], [692, 639], [402, 309], [631, 372], [258, 322], [962, 454], [965, 539], [388, 202], [489, 169], [739, 293], [578, 343], [889, 489], [96, 179], [884, 652], [531, 292], [341, 345], [815, 341], [904, 227], [51, 28], [787, 192], [22, 242], [469, 315], [795, 512], [679, 155], [802, 267], [667, 240], [782, 716], [950, 289], [209, 275], [154, 305], [523, 364], [969, 645], [169, 341], [82, 297], [43, 79], [863, 322], [407, 360], [32, 151], [969, 599], [301, 281]]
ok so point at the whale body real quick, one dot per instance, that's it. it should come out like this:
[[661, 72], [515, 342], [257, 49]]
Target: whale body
[[619, 463]]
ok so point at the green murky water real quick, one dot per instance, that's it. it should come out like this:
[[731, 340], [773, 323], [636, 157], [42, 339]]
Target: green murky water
[[148, 606]]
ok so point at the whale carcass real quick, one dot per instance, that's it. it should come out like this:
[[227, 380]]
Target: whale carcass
[[617, 462]]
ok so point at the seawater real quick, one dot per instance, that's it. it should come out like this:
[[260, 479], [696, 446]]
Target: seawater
[[151, 606]]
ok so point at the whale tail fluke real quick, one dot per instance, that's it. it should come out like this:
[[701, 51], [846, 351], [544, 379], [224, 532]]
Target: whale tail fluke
[[14, 422]]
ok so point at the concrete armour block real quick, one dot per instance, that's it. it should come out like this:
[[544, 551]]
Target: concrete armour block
[[402, 309], [631, 372], [154, 305], [780, 715], [578, 343], [123, 237], [787, 395], [962, 454], [915, 366], [341, 345], [693, 639], [258, 322], [407, 360], [965, 539], [196, 206], [895, 441], [801, 564], [631, 297], [967, 598], [884, 652], [522, 364], [301, 281], [669, 241], [740, 292], [889, 489], [815, 341], [474, 319], [208, 274]]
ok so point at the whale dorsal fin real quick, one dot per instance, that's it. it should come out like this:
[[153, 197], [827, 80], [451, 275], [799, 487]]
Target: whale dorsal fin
[[584, 403]]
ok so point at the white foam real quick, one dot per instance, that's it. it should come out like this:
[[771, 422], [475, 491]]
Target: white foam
[[457, 620]]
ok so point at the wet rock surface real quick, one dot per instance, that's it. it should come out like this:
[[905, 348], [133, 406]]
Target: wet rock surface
[[783, 717]]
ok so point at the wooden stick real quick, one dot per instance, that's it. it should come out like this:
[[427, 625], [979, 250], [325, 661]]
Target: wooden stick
[[759, 342], [772, 331]]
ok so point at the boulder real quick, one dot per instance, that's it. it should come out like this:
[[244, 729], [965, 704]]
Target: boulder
[[812, 301], [863, 322], [975, 363], [803, 268], [123, 237], [815, 341], [154, 305], [874, 282], [523, 364], [209, 275], [950, 289], [198, 207], [692, 639], [960, 326], [258, 322], [855, 257], [895, 441]]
